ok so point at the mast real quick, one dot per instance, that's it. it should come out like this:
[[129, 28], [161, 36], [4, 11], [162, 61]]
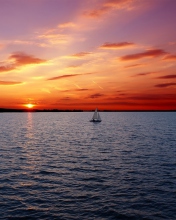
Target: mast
[[95, 116]]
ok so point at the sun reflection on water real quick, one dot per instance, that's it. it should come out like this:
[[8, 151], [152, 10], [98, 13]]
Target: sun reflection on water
[[29, 125]]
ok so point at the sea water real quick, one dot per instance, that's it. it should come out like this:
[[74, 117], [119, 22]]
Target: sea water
[[61, 166]]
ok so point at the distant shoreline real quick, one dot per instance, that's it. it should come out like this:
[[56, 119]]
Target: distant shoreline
[[77, 110]]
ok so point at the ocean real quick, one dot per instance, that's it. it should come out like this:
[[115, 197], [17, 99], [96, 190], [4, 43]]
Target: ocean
[[58, 165]]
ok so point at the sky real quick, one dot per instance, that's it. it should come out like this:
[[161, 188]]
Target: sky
[[87, 54]]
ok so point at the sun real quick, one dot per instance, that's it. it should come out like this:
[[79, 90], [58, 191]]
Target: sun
[[29, 105]]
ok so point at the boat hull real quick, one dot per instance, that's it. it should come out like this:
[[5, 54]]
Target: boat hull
[[93, 120]]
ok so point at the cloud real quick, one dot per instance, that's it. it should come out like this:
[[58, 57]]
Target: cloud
[[6, 68], [144, 74], [80, 90], [152, 97], [25, 42], [66, 99], [165, 85], [9, 83], [133, 65], [74, 66], [46, 90], [73, 90], [145, 97], [146, 54], [119, 4], [19, 59], [109, 5], [116, 45], [67, 25], [54, 38], [81, 54], [170, 57], [167, 77], [95, 96], [68, 76], [63, 76], [141, 74], [97, 12]]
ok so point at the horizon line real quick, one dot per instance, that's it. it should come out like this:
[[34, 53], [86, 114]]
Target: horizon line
[[81, 110]]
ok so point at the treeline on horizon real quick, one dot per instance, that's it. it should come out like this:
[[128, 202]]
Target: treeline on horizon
[[78, 110]]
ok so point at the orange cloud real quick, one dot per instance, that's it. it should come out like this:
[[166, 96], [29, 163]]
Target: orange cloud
[[109, 5], [116, 45], [6, 68], [63, 76], [19, 59], [73, 66], [68, 76], [67, 25], [134, 65], [81, 90], [144, 74], [118, 3], [152, 97], [146, 54], [9, 83], [76, 90], [54, 38], [81, 54], [97, 12], [165, 85], [24, 59], [170, 57], [96, 95], [167, 77]]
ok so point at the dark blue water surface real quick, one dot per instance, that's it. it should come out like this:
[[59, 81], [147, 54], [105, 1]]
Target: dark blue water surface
[[61, 166]]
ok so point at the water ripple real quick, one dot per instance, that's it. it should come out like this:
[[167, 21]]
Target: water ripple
[[61, 166]]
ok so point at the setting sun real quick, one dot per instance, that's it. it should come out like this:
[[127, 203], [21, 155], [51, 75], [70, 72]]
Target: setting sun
[[29, 105]]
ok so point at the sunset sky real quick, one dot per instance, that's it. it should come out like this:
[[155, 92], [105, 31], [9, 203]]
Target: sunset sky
[[83, 54]]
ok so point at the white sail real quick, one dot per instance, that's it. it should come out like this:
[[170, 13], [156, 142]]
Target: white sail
[[99, 118], [96, 116]]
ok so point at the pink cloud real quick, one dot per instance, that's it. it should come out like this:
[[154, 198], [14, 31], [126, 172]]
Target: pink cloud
[[119, 4], [116, 45], [81, 54], [19, 59], [146, 54], [24, 59], [67, 25], [109, 5]]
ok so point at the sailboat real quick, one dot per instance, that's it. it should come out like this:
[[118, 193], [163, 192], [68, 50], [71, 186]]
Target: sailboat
[[96, 117]]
